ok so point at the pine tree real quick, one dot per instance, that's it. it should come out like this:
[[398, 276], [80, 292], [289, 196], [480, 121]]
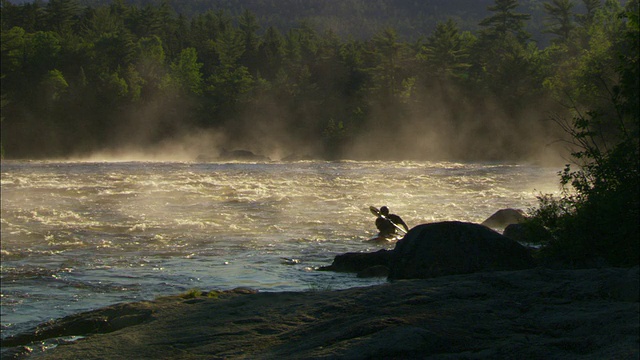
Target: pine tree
[[505, 20], [249, 27], [591, 6], [271, 53], [62, 15], [444, 52], [560, 16]]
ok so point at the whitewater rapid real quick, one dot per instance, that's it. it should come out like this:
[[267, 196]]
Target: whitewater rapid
[[81, 235]]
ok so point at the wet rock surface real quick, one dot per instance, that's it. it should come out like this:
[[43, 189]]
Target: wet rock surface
[[536, 314]]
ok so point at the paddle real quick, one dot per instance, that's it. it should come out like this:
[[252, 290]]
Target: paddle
[[377, 213]]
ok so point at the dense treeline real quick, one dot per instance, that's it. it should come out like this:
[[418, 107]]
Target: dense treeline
[[359, 19], [78, 79]]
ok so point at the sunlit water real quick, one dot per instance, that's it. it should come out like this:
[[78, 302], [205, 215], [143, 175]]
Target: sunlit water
[[77, 236]]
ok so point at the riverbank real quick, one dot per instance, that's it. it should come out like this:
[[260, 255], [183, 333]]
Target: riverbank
[[536, 314]]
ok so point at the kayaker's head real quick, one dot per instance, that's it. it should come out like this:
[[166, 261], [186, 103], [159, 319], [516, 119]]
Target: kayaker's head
[[384, 210]]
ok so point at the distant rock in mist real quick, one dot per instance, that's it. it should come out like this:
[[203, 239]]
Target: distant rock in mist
[[233, 155]]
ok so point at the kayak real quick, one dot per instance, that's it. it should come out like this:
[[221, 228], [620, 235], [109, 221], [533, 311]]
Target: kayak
[[384, 239]]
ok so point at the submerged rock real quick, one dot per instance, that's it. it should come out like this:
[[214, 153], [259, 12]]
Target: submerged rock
[[453, 247]]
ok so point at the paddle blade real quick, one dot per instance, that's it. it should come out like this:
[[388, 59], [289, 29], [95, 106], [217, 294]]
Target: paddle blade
[[374, 210]]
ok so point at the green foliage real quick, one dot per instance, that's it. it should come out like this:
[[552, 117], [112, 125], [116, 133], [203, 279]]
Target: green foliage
[[115, 85], [196, 293], [191, 294], [446, 52], [597, 218], [55, 83], [214, 294], [42, 52], [62, 15], [387, 73], [185, 72]]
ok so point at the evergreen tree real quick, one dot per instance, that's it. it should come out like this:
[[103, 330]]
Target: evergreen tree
[[505, 20], [387, 72], [591, 7], [166, 27], [30, 16], [505, 64], [118, 9], [62, 15], [444, 52], [249, 27], [271, 53], [230, 81], [560, 18]]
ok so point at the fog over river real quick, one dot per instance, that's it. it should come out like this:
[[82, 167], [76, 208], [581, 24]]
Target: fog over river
[[81, 235]]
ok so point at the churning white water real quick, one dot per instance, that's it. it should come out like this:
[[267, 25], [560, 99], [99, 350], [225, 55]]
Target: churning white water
[[78, 235]]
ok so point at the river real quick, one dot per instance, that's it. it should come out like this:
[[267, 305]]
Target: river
[[81, 235]]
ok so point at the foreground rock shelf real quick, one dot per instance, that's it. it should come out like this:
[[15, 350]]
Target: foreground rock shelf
[[535, 313]]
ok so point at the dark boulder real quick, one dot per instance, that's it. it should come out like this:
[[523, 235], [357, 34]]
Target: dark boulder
[[504, 217], [528, 233], [357, 262], [452, 247], [241, 155]]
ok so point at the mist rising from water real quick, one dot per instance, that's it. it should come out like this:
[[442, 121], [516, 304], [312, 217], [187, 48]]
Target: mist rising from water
[[432, 124]]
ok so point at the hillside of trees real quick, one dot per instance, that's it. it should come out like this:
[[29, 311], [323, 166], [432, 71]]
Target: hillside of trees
[[359, 19], [85, 76]]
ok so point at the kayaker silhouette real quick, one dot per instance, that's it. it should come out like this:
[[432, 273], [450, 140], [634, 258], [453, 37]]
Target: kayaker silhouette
[[389, 224]]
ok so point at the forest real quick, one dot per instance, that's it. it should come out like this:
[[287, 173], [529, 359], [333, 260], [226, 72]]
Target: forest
[[359, 19], [156, 77]]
